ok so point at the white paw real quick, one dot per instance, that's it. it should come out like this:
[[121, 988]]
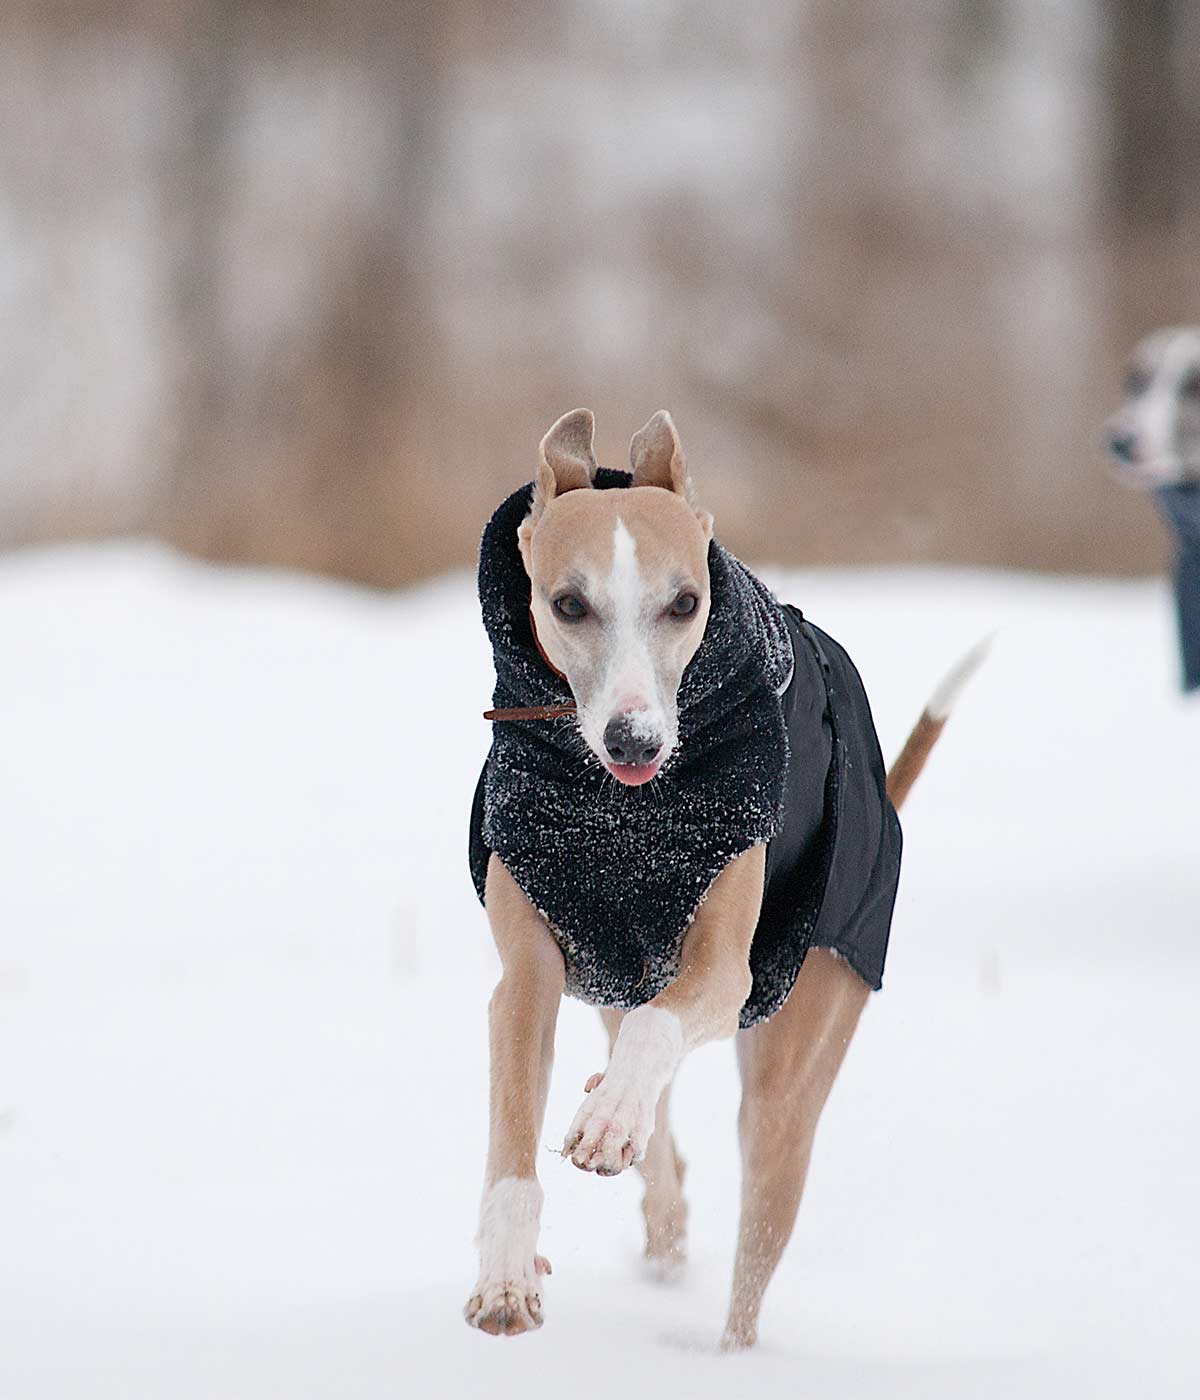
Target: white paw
[[612, 1129], [667, 1269], [508, 1297], [508, 1307], [666, 1236]]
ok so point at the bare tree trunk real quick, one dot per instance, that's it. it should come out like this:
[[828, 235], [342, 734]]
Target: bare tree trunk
[[1147, 115], [300, 460]]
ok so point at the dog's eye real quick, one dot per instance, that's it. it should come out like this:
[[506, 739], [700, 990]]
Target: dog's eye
[[684, 605], [1190, 388], [571, 607], [1137, 381]]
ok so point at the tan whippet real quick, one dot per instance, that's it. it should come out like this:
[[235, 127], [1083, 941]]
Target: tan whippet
[[638, 559]]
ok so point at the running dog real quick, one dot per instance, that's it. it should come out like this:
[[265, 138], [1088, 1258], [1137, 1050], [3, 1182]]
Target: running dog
[[683, 819], [1154, 439]]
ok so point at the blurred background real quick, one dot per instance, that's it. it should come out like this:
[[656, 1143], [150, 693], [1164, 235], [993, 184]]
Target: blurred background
[[304, 284]]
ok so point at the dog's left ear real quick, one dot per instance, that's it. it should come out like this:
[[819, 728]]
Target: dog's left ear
[[656, 456]]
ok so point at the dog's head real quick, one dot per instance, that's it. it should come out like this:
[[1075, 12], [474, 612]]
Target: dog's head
[[1154, 437], [619, 588]]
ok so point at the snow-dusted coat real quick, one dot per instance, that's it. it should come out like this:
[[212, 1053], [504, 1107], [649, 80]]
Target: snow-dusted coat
[[776, 745]]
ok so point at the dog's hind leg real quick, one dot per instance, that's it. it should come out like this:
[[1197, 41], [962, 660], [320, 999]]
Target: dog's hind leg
[[522, 1015], [788, 1064], [662, 1168]]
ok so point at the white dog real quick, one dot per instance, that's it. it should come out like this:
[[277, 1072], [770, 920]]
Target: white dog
[[1155, 440]]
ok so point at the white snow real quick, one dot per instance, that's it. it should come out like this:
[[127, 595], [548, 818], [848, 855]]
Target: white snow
[[243, 979]]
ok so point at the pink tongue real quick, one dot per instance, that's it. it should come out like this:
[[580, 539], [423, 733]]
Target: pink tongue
[[633, 774]]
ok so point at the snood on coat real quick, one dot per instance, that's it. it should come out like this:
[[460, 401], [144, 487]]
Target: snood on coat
[[618, 873]]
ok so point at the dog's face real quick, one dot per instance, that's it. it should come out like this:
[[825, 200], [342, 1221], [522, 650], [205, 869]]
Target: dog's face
[[619, 588], [1155, 436]]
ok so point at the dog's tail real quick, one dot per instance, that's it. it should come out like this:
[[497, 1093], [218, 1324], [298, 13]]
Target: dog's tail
[[928, 729]]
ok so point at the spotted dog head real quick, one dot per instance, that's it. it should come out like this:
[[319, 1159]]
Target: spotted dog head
[[1154, 438]]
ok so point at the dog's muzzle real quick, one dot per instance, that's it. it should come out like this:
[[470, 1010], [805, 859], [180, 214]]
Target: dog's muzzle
[[626, 744]]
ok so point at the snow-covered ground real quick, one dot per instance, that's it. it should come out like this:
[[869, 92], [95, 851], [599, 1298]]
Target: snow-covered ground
[[242, 991]]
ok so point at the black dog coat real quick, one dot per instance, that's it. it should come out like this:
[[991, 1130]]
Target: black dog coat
[[776, 744], [1181, 506]]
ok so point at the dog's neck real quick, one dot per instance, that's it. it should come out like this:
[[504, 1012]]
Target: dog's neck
[[537, 641], [529, 712]]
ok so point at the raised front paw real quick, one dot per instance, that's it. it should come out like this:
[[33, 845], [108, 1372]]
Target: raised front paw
[[508, 1307], [613, 1127]]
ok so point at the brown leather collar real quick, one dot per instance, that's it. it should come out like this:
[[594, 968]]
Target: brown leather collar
[[534, 711]]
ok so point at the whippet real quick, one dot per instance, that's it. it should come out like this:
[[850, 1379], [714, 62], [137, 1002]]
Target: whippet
[[1154, 439], [605, 606]]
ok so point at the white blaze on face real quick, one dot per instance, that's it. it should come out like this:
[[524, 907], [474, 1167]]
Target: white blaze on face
[[629, 681], [631, 686]]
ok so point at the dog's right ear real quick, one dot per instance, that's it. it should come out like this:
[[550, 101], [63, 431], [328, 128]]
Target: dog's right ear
[[565, 464], [566, 461]]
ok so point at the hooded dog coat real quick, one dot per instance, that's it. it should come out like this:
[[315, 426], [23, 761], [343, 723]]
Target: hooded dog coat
[[776, 745]]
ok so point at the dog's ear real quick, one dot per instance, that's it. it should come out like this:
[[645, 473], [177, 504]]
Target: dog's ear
[[656, 457], [566, 461]]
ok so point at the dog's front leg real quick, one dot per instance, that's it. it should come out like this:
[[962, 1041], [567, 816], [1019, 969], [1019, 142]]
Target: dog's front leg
[[612, 1129], [521, 1019]]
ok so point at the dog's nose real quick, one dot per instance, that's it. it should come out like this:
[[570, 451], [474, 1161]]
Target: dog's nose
[[624, 746], [1122, 445]]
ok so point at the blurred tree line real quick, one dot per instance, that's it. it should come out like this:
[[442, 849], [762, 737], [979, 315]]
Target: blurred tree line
[[304, 284]]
